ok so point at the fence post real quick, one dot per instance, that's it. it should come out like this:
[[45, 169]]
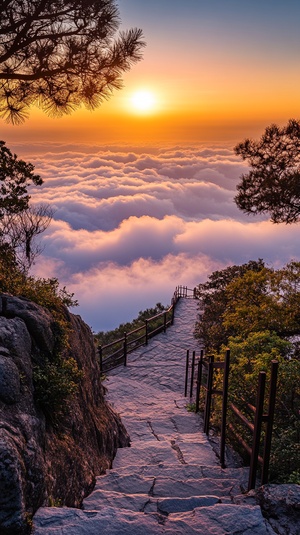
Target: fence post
[[125, 349], [146, 332], [257, 429], [270, 420], [199, 379], [224, 408], [101, 359], [173, 313], [186, 372], [192, 374], [165, 322], [208, 394]]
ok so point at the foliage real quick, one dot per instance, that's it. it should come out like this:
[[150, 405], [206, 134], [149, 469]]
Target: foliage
[[20, 223], [21, 230], [15, 178], [273, 182], [250, 356], [44, 292], [259, 313], [266, 300], [61, 54], [55, 377], [213, 302], [55, 382], [104, 338]]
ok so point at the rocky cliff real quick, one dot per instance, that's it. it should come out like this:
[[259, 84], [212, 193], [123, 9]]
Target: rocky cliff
[[48, 457]]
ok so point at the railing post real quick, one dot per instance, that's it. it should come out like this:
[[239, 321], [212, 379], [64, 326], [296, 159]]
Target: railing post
[[199, 379], [257, 429], [224, 408], [186, 372], [165, 322], [125, 349], [195, 292], [101, 359], [208, 394], [146, 331], [192, 374], [270, 420], [173, 313]]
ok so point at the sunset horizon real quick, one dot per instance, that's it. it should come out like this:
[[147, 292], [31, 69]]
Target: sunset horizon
[[144, 184]]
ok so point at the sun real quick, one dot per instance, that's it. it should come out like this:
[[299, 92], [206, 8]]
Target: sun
[[143, 101]]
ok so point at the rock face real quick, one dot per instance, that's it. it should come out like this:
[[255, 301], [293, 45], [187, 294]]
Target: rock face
[[42, 462], [280, 505]]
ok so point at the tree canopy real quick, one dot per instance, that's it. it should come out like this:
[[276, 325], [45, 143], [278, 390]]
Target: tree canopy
[[273, 182], [20, 222], [15, 178], [60, 54], [254, 311]]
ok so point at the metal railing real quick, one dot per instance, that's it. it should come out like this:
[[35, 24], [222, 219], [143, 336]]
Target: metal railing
[[206, 369], [115, 353], [255, 427]]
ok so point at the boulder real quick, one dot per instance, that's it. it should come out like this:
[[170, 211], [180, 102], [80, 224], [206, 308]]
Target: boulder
[[46, 461], [280, 504]]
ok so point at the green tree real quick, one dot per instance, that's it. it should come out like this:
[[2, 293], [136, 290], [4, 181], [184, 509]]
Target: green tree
[[104, 338], [273, 182], [60, 54], [20, 223], [269, 299], [250, 355], [213, 298], [258, 314], [15, 178]]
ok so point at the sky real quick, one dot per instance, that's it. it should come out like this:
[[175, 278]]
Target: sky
[[143, 199]]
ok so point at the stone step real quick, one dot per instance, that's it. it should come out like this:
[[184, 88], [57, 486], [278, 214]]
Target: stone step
[[145, 503], [169, 482], [168, 451], [172, 425], [186, 471], [164, 487], [216, 519]]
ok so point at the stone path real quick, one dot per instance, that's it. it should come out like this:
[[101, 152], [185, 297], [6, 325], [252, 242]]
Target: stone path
[[169, 481]]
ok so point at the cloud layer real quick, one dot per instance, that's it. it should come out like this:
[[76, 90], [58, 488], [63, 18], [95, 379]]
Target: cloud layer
[[132, 223]]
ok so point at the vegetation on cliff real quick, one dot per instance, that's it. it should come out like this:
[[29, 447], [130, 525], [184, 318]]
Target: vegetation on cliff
[[103, 338], [56, 376]]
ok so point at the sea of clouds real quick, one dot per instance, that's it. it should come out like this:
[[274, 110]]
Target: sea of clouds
[[131, 223]]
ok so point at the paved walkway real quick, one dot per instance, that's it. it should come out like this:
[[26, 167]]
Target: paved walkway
[[169, 481]]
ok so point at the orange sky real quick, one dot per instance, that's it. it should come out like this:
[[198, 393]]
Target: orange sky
[[218, 72]]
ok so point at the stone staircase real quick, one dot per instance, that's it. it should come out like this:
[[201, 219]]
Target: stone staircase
[[169, 481]]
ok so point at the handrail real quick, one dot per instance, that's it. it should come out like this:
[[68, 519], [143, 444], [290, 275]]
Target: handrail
[[111, 359], [209, 367], [259, 419], [255, 427]]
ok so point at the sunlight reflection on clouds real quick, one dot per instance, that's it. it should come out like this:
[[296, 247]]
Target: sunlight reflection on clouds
[[130, 224]]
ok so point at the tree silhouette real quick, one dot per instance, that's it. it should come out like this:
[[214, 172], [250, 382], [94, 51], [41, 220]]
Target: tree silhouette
[[273, 182], [61, 54], [20, 223]]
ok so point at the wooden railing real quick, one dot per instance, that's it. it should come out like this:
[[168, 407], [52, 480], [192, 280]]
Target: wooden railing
[[205, 369], [116, 353]]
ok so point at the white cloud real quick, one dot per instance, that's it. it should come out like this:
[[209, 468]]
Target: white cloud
[[130, 224]]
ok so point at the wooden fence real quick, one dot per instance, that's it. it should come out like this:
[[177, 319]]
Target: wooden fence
[[205, 369], [116, 353]]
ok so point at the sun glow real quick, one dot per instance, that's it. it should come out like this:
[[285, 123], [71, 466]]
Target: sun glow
[[143, 102]]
